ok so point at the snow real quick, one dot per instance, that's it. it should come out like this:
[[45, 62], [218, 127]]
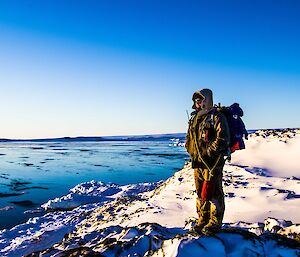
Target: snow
[[262, 196], [176, 142], [275, 151], [95, 192]]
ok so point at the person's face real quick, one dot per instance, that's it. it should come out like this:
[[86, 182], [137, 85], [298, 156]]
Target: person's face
[[199, 103]]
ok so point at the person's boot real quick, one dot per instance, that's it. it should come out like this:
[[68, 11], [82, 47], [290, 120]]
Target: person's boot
[[199, 226], [215, 219], [209, 231]]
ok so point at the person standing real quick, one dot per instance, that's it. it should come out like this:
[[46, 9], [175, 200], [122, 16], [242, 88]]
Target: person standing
[[207, 143]]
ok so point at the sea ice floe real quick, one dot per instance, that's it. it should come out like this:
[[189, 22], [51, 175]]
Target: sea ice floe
[[6, 208]]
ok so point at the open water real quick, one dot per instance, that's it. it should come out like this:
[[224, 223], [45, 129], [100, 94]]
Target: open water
[[31, 173]]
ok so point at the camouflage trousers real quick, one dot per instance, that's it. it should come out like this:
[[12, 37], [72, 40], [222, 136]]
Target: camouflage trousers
[[210, 212]]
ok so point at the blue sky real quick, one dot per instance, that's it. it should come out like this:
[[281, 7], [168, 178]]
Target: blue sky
[[92, 68]]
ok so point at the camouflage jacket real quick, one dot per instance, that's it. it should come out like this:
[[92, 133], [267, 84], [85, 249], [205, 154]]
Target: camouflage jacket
[[211, 134]]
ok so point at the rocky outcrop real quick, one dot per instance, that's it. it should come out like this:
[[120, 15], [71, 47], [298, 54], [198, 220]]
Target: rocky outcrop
[[150, 239]]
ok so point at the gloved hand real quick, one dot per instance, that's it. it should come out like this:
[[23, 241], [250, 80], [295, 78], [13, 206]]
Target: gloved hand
[[207, 190]]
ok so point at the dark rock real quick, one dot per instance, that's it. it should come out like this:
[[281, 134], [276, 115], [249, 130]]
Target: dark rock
[[28, 164]]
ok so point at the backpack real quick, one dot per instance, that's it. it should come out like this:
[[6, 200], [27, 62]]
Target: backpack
[[237, 128]]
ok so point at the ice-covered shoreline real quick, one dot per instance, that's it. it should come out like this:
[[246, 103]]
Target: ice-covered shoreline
[[130, 219], [167, 211]]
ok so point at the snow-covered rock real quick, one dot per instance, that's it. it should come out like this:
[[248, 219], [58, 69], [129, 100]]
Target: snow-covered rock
[[152, 239], [95, 192]]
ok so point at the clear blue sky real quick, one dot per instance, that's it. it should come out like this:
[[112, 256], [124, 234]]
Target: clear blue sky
[[92, 68]]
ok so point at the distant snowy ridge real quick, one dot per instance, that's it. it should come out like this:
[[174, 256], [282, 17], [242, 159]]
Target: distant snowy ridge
[[284, 134]]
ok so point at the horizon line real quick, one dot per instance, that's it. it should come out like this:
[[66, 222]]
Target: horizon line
[[116, 136]]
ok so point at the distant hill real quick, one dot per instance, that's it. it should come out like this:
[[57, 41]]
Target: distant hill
[[156, 137]]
